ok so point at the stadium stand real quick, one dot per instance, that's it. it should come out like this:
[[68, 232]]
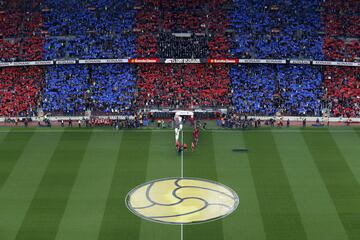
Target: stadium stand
[[19, 91], [72, 90], [89, 29], [267, 90], [112, 89], [66, 90], [20, 40], [271, 29], [186, 29], [197, 29], [342, 29], [277, 29], [342, 25], [183, 86], [21, 31], [343, 91]]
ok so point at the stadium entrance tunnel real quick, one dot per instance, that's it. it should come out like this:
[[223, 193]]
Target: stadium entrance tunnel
[[182, 201]]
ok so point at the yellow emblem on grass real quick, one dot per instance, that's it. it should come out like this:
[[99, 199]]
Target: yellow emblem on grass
[[182, 200]]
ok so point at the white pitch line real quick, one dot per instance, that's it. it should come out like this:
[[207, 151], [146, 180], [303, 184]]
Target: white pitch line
[[182, 232], [182, 175], [182, 154]]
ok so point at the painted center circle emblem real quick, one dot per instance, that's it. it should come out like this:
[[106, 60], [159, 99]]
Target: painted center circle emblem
[[182, 200]]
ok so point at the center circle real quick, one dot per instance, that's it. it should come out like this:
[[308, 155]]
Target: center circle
[[182, 200]]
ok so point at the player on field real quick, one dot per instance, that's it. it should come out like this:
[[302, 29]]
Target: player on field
[[193, 146], [177, 134]]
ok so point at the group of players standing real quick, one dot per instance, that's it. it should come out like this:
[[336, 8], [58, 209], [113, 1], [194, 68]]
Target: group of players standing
[[178, 129]]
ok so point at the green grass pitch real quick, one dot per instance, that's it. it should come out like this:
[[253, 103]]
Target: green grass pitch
[[70, 184]]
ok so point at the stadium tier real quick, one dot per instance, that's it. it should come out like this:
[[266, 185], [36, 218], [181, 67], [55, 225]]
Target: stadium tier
[[267, 90], [198, 29]]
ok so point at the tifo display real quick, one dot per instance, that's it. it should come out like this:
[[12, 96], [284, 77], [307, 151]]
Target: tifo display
[[168, 31]]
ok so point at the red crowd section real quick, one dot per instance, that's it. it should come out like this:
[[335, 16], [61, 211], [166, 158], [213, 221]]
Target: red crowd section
[[343, 90], [21, 39], [21, 25], [147, 25], [19, 90], [182, 85], [339, 49], [342, 26], [192, 21]]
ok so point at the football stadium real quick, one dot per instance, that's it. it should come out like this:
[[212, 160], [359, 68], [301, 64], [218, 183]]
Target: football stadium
[[179, 120]]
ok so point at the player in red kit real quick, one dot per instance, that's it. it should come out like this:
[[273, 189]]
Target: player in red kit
[[192, 146], [196, 136], [178, 146]]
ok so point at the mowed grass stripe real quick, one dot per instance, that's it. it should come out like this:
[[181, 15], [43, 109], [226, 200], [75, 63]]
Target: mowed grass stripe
[[349, 146], [279, 211], [21, 185], [85, 208], [47, 207], [318, 213], [202, 164], [338, 178], [234, 171], [118, 222], [3, 134], [11, 149], [163, 162]]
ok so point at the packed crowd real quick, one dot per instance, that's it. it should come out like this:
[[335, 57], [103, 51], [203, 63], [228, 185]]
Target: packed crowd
[[72, 90], [183, 85], [112, 88], [66, 89], [341, 18], [21, 30], [342, 28], [89, 29], [269, 89], [202, 24], [342, 85], [51, 29], [276, 29], [183, 31], [19, 91], [343, 91]]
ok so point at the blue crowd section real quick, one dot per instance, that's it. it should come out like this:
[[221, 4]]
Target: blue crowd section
[[277, 29], [73, 89], [113, 88], [269, 89], [66, 89], [89, 29]]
